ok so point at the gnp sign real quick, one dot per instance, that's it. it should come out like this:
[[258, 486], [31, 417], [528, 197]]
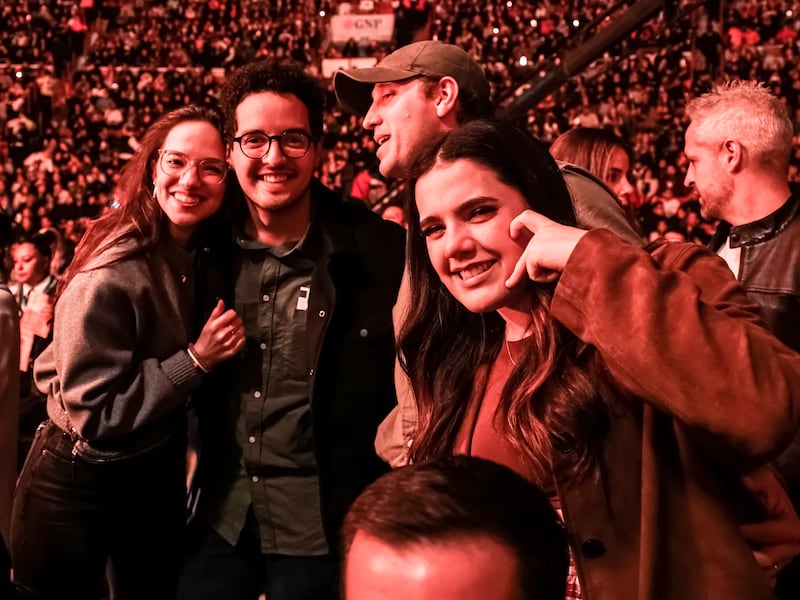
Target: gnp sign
[[379, 28]]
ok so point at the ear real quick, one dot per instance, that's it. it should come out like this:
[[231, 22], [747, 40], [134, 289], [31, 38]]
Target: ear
[[446, 97], [732, 156]]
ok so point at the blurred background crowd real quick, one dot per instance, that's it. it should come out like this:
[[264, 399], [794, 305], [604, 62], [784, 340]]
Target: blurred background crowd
[[81, 80]]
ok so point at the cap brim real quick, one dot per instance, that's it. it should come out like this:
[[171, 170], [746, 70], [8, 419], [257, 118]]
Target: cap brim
[[353, 87]]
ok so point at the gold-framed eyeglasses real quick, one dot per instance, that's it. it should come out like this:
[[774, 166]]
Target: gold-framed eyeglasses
[[256, 144], [175, 164]]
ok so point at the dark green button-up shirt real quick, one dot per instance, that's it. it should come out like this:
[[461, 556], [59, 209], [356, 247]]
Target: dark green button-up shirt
[[278, 475]]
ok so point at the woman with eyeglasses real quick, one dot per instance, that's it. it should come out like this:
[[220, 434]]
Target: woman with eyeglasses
[[102, 492]]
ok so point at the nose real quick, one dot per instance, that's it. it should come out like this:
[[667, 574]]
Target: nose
[[190, 175], [370, 119], [688, 180], [273, 153], [625, 187], [458, 242]]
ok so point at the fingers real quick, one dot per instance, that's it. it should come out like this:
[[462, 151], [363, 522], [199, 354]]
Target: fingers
[[527, 220], [518, 273], [222, 336]]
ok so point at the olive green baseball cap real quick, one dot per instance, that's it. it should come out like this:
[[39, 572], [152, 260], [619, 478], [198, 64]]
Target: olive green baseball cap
[[430, 58]]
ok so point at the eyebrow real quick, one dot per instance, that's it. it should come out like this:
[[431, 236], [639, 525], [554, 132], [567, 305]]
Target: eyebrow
[[289, 130], [462, 208]]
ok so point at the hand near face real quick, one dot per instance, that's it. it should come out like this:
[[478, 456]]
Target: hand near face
[[222, 336], [547, 252]]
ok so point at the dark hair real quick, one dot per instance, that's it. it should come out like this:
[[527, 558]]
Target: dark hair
[[42, 242], [551, 397], [139, 217], [463, 496], [280, 77], [471, 106]]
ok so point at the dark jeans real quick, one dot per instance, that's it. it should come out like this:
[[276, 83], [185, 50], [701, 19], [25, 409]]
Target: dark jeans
[[72, 518], [214, 569]]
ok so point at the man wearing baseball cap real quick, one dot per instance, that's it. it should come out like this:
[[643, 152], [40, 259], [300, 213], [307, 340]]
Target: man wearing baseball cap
[[415, 94], [425, 89]]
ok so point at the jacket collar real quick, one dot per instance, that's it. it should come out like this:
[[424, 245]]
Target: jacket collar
[[334, 224], [761, 230]]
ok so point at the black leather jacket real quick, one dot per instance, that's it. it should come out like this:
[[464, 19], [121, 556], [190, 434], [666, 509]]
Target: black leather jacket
[[769, 268]]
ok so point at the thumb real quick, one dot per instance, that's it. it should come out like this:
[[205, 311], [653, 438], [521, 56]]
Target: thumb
[[219, 309]]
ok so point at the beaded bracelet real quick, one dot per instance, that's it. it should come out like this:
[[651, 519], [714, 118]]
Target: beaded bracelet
[[199, 364]]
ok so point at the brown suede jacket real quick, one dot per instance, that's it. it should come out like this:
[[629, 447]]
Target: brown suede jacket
[[706, 393], [703, 394]]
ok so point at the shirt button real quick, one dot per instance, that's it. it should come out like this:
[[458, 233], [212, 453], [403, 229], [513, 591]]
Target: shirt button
[[183, 278], [592, 548], [265, 297], [254, 479], [363, 333], [263, 345], [257, 394], [310, 372], [322, 313], [252, 439]]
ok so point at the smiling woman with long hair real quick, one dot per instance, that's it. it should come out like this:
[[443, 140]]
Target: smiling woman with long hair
[[104, 481], [633, 393]]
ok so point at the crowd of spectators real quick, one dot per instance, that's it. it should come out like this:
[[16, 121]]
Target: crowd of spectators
[[81, 80]]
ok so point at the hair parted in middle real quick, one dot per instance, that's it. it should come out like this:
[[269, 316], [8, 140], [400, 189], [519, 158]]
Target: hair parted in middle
[[553, 395], [590, 148], [139, 216]]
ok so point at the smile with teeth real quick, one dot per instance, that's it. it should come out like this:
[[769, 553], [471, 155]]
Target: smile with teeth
[[474, 270], [275, 177], [382, 140], [185, 199]]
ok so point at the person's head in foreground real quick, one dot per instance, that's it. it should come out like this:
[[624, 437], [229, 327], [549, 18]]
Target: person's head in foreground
[[416, 92], [461, 528]]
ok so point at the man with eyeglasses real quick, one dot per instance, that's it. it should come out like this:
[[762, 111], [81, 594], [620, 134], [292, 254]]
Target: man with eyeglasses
[[286, 431]]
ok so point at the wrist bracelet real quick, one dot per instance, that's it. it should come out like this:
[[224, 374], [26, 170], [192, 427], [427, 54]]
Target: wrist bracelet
[[199, 364]]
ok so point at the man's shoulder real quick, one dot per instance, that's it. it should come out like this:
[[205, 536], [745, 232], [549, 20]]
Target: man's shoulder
[[365, 224], [594, 204]]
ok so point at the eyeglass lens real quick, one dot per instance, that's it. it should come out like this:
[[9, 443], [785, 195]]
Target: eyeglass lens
[[209, 170]]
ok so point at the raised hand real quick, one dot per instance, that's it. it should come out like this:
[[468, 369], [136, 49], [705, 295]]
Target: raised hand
[[221, 338], [547, 253]]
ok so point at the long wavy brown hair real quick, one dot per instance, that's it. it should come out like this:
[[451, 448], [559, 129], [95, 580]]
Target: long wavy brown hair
[[553, 395], [139, 215]]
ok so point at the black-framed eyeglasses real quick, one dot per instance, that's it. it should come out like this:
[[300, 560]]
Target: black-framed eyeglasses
[[256, 144], [175, 164]]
